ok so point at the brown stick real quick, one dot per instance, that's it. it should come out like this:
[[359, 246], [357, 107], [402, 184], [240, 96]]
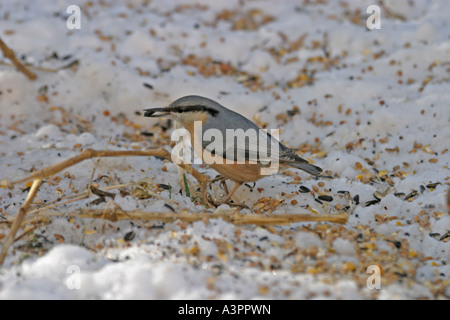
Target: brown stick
[[89, 153], [18, 220], [448, 201], [32, 67], [8, 53], [235, 218]]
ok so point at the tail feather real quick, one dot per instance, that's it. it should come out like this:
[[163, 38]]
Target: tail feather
[[307, 167]]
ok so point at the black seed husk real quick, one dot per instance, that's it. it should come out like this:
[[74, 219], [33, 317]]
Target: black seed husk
[[303, 189]]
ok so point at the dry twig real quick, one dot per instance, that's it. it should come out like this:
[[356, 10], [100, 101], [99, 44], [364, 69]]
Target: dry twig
[[89, 153], [235, 218], [8, 53], [18, 220]]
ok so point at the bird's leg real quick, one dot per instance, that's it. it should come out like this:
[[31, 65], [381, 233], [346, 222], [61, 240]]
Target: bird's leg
[[230, 194], [204, 194], [218, 178], [236, 186], [222, 180], [224, 186], [223, 183]]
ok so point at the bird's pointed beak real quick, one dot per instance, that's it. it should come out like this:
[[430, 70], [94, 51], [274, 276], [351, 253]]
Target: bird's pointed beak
[[151, 112]]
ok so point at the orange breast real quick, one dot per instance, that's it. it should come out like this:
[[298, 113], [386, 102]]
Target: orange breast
[[239, 172]]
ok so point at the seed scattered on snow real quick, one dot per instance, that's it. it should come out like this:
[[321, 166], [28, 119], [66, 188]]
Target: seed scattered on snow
[[400, 195], [433, 185], [445, 237], [169, 207], [371, 202], [435, 235], [411, 195], [378, 195], [304, 189], [163, 186], [325, 198], [129, 236]]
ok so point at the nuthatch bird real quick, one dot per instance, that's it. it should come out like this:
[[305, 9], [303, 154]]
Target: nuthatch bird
[[225, 158]]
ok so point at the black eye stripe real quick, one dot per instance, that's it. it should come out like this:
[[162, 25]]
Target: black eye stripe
[[193, 108]]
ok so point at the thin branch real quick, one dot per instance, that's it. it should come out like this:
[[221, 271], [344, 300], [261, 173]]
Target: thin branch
[[235, 218], [18, 220], [89, 153], [8, 53], [29, 66], [93, 171]]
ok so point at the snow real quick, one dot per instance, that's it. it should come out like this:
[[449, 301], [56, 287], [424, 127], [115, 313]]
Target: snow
[[306, 240], [372, 111]]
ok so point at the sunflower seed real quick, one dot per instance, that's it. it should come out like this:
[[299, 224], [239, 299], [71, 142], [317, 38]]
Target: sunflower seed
[[371, 202], [169, 207], [304, 189], [400, 195], [445, 237], [432, 185], [325, 198], [102, 193], [129, 236], [435, 235], [378, 195], [411, 195], [164, 186], [97, 201], [396, 243]]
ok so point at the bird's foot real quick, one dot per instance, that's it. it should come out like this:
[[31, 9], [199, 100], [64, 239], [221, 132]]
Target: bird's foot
[[222, 181], [230, 202]]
